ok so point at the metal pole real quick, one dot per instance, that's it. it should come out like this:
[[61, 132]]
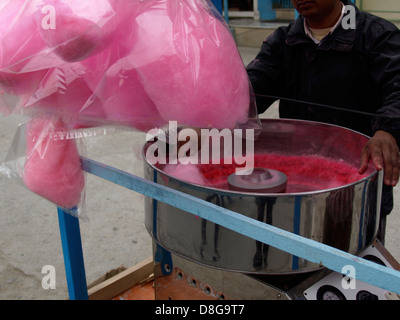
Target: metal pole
[[226, 11], [73, 256]]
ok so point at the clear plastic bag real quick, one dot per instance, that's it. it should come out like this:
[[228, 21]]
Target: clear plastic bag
[[133, 63], [46, 158]]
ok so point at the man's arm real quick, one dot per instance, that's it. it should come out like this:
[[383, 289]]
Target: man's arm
[[265, 70], [383, 148]]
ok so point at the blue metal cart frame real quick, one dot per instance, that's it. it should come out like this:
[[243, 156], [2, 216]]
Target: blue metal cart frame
[[333, 259]]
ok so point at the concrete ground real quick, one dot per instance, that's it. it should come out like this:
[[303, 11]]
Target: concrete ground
[[114, 233]]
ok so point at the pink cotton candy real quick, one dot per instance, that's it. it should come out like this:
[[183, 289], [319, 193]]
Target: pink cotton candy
[[79, 40], [186, 172], [70, 88], [52, 168], [137, 63], [189, 64], [125, 101], [20, 41], [20, 44], [16, 90], [65, 92], [116, 87], [100, 88], [304, 172], [81, 29]]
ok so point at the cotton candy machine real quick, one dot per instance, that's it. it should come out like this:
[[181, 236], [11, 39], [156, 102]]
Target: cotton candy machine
[[305, 180]]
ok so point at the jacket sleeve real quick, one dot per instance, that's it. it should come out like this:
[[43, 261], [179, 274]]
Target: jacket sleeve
[[265, 70], [385, 69]]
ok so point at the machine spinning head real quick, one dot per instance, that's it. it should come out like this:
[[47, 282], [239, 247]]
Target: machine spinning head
[[261, 180]]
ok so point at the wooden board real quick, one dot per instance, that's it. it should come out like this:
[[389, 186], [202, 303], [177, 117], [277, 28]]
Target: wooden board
[[122, 282]]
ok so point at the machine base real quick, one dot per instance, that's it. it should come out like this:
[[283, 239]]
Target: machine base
[[176, 278]]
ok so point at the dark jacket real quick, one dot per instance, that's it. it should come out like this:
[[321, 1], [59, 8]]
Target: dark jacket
[[356, 69]]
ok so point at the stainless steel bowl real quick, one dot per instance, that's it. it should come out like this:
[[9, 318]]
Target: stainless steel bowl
[[345, 217]]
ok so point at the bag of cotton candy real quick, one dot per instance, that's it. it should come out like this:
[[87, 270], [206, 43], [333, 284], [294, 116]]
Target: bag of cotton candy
[[135, 63], [191, 67], [46, 157]]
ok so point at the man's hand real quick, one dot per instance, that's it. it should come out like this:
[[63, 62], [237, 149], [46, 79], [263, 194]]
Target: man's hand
[[383, 150]]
